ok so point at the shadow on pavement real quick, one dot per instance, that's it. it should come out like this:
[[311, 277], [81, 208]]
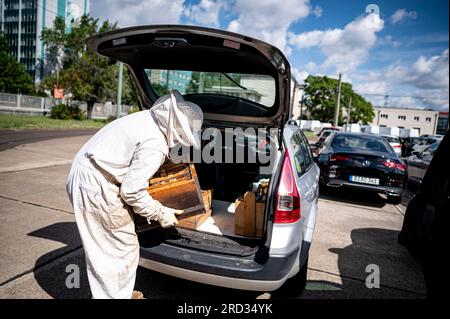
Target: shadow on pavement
[[353, 196], [51, 276], [400, 276]]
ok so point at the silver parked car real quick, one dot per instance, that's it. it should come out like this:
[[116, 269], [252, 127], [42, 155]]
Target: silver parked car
[[239, 82]]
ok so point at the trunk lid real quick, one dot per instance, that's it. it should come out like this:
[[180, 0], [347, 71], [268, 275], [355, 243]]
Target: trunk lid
[[257, 94]]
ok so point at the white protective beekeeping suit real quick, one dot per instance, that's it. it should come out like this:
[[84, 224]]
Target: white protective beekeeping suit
[[108, 180]]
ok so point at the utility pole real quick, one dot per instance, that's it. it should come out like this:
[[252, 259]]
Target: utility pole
[[338, 102], [201, 84], [348, 113], [302, 103], [119, 91]]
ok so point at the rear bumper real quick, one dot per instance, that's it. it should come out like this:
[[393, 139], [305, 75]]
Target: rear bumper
[[217, 269], [388, 190]]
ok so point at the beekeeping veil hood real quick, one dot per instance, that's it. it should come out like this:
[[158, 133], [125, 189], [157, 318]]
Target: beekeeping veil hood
[[179, 120]]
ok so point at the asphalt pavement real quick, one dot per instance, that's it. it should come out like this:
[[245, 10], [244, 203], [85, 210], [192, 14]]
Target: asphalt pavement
[[40, 240]]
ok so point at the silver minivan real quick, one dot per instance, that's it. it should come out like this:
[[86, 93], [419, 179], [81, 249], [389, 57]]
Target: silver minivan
[[243, 84]]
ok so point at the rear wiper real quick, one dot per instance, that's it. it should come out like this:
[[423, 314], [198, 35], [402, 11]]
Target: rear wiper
[[233, 80]]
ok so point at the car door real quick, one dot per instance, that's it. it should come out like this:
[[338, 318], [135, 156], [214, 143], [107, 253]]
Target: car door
[[425, 159], [413, 164]]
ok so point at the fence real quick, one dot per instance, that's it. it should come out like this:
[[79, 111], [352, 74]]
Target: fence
[[34, 105]]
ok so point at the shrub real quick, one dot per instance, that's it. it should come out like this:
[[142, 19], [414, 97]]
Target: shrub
[[133, 109], [65, 112]]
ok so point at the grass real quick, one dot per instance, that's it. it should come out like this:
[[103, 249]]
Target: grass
[[23, 122], [310, 134]]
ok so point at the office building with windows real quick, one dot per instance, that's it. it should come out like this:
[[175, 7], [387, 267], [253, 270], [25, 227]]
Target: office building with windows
[[22, 22]]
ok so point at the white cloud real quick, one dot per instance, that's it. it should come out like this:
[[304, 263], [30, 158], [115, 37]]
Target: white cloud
[[300, 76], [401, 15], [317, 11], [345, 49], [268, 20], [372, 87], [138, 12], [422, 84], [389, 40], [432, 73], [205, 13]]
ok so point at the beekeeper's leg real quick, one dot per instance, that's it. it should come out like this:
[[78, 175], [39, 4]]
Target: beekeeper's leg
[[107, 233]]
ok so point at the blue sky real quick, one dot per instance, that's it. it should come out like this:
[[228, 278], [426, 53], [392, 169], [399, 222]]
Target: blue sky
[[402, 52]]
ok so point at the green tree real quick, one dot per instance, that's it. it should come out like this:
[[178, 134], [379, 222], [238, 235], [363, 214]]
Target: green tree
[[87, 76], [320, 101], [13, 77]]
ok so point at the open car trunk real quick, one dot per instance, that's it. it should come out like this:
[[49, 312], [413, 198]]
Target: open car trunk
[[217, 233], [231, 185]]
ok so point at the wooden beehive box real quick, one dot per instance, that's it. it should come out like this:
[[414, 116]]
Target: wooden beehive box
[[176, 186]]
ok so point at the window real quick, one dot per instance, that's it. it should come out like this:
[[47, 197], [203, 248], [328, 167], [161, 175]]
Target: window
[[416, 118], [402, 117], [343, 143], [430, 150], [428, 119], [252, 87], [308, 153], [384, 116], [299, 158]]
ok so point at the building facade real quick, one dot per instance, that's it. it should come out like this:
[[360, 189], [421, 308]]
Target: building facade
[[22, 22], [425, 121]]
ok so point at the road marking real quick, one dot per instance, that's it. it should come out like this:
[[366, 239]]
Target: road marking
[[37, 205], [36, 166]]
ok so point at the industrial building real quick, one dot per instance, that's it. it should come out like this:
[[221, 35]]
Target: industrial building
[[425, 121]]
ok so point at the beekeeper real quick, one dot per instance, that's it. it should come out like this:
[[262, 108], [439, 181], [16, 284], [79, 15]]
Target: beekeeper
[[108, 181]]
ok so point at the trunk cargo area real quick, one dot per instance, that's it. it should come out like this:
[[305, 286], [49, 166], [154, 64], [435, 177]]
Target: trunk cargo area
[[217, 233]]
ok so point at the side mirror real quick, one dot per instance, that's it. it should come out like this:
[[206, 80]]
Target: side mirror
[[416, 153]]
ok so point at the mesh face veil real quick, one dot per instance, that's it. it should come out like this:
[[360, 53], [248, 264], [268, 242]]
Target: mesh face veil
[[180, 120]]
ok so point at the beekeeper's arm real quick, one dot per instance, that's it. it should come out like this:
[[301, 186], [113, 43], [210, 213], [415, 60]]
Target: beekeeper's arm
[[146, 161]]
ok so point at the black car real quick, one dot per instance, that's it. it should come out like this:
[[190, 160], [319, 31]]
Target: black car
[[426, 222], [362, 161], [418, 163]]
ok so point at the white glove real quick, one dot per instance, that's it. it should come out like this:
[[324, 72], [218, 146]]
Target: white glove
[[167, 217]]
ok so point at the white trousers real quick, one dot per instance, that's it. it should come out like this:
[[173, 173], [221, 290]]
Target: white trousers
[[106, 229]]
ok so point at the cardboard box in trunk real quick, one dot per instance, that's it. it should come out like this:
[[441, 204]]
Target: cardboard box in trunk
[[176, 186]]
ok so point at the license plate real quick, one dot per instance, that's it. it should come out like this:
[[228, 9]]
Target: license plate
[[365, 180]]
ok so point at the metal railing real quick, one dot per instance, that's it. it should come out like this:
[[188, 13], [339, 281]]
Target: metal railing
[[32, 105]]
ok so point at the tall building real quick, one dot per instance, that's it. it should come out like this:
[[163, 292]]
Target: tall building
[[175, 79], [22, 22]]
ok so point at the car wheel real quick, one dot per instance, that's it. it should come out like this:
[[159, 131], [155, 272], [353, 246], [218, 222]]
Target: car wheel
[[294, 286], [323, 188], [395, 200]]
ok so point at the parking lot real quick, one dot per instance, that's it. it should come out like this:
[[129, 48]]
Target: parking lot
[[39, 236]]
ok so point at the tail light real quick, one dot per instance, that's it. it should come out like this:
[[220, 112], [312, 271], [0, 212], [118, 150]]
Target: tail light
[[288, 198], [336, 157], [392, 164], [397, 146]]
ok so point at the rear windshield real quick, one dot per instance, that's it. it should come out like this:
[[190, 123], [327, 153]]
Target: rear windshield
[[255, 88], [344, 142], [391, 139]]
